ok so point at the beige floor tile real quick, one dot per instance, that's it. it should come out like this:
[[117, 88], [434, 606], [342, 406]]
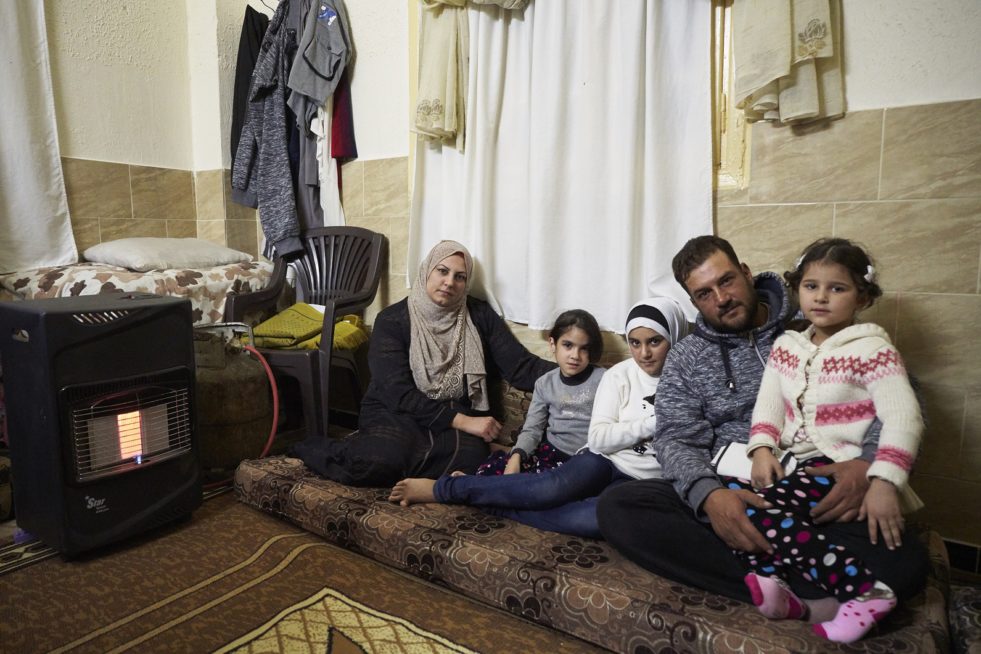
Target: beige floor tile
[[97, 189], [928, 246], [932, 151], [826, 162], [386, 187], [940, 454], [162, 193], [771, 237], [937, 335]]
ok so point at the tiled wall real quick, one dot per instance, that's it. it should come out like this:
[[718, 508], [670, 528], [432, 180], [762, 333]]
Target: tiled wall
[[906, 182], [108, 201], [375, 195]]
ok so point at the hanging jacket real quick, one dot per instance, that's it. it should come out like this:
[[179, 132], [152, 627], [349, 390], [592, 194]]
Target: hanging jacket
[[261, 171]]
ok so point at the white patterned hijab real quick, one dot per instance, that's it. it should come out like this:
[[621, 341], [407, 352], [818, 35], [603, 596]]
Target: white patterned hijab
[[446, 354]]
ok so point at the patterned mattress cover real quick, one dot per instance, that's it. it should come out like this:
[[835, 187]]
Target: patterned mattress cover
[[579, 586], [206, 288]]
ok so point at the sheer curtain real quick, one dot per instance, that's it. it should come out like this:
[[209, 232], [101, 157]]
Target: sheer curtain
[[588, 159], [35, 229]]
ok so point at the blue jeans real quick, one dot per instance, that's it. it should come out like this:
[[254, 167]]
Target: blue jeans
[[562, 499]]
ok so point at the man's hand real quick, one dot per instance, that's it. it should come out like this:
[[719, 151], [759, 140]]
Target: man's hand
[[726, 510], [484, 427], [844, 501]]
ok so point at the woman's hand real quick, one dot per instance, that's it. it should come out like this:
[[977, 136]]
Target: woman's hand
[[484, 427], [514, 464], [766, 468], [881, 507]]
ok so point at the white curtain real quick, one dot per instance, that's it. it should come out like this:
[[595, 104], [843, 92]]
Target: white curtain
[[588, 161], [35, 229]]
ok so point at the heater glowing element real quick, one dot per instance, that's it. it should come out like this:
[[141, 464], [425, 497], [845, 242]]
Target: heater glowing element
[[130, 429]]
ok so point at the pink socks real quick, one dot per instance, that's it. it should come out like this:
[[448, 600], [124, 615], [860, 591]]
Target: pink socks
[[774, 598], [856, 617]]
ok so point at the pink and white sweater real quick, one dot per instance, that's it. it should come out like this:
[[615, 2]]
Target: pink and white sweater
[[817, 400]]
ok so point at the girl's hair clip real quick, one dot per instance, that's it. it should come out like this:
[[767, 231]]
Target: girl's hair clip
[[800, 260], [870, 274]]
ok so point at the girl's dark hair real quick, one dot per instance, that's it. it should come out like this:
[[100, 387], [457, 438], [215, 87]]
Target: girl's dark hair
[[852, 256], [584, 321]]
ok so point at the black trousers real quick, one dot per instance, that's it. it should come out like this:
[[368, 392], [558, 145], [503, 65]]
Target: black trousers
[[648, 523], [387, 448]]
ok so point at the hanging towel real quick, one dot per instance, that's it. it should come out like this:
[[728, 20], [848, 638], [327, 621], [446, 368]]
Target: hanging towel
[[788, 59], [444, 60]]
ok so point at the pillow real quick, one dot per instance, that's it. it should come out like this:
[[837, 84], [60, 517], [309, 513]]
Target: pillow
[[145, 254]]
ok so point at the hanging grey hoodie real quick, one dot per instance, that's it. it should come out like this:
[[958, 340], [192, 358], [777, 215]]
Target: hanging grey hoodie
[[707, 392]]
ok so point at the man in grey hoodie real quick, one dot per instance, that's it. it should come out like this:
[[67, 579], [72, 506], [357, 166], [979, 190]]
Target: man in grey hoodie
[[685, 526]]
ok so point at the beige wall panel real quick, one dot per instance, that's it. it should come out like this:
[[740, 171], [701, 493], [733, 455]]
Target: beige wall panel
[[822, 163], [386, 189], [953, 507], [97, 189], [787, 229], [932, 151], [929, 246], [162, 193], [937, 335]]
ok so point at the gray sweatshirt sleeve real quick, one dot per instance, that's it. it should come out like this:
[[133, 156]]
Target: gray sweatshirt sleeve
[[683, 437], [536, 420]]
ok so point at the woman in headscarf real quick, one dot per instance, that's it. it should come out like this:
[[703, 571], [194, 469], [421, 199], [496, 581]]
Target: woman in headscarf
[[619, 449], [426, 411]]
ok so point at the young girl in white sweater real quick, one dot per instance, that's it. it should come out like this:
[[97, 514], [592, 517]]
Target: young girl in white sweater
[[821, 390]]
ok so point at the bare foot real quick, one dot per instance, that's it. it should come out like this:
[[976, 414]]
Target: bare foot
[[458, 473], [413, 491]]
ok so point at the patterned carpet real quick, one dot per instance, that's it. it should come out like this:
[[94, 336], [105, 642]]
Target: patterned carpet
[[232, 579]]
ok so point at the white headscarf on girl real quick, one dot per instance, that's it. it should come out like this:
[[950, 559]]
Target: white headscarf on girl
[[662, 314], [446, 354]]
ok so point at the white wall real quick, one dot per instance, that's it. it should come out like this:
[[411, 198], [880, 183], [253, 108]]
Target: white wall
[[120, 77], [150, 82], [203, 68], [909, 52], [380, 85]]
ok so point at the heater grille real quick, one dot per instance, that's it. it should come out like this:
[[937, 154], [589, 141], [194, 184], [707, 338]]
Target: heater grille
[[100, 317], [130, 428]]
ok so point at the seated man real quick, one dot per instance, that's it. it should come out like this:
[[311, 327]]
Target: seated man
[[685, 526]]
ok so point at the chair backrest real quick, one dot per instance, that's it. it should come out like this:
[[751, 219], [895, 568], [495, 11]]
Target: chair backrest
[[342, 264]]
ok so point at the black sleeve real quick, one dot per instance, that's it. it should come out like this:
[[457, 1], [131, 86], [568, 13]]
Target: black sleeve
[[502, 351], [388, 360]]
